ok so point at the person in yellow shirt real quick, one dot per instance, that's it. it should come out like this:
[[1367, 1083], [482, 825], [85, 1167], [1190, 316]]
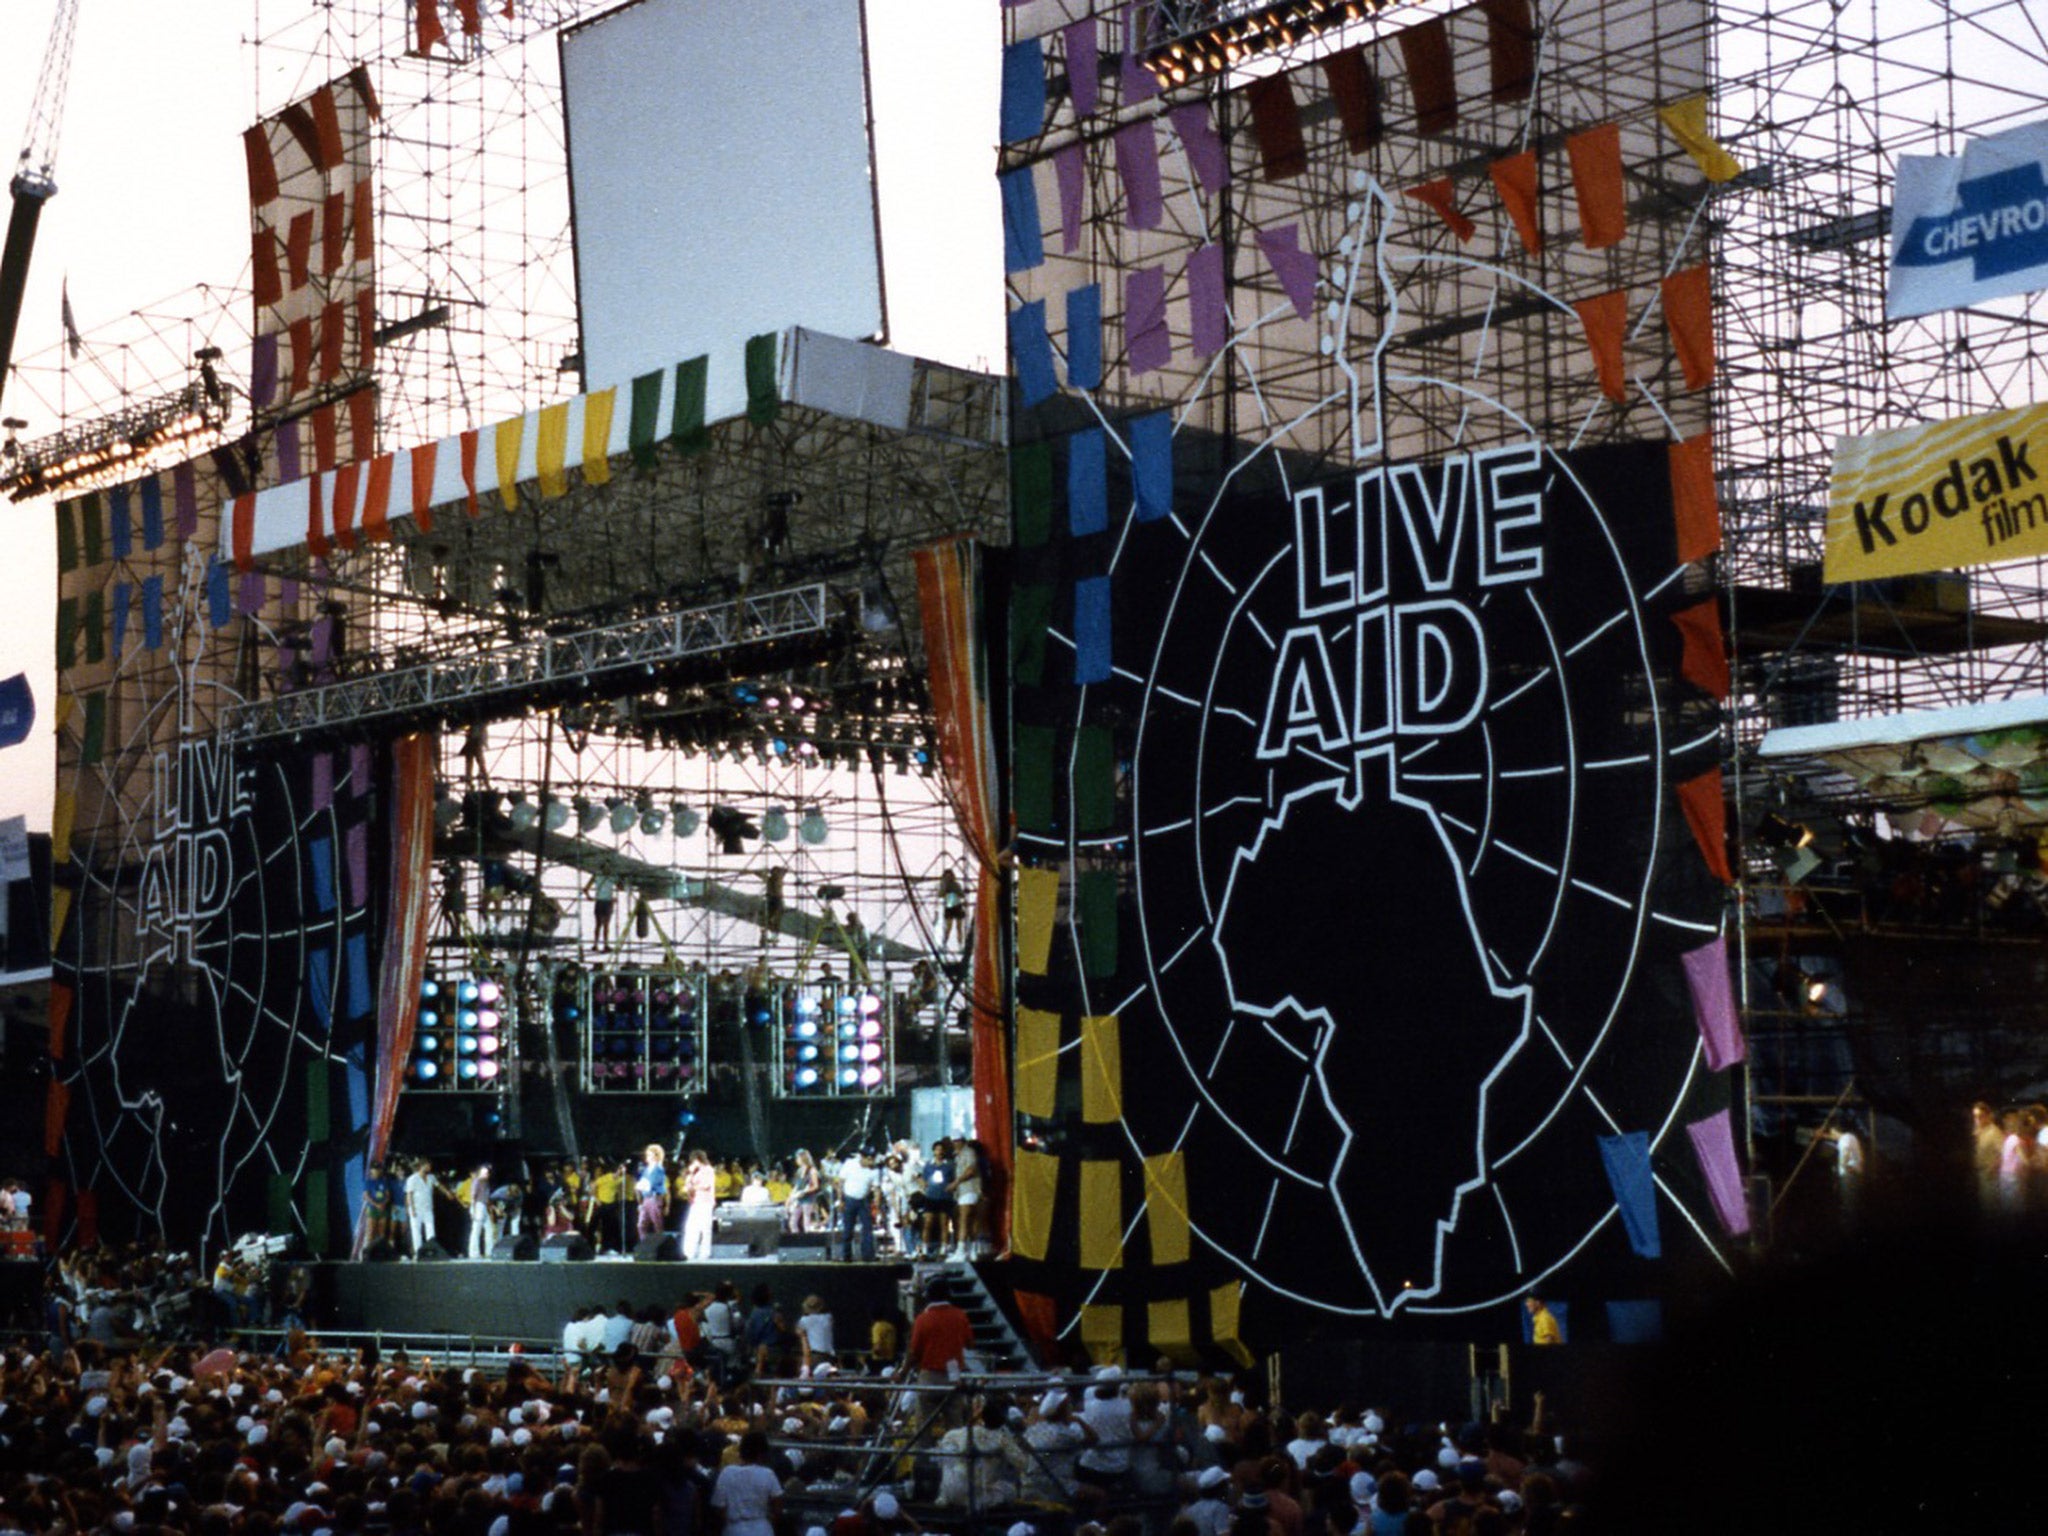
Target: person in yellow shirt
[[730, 1180], [605, 1187], [1543, 1328]]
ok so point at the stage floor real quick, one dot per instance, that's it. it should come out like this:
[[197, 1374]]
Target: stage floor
[[494, 1299]]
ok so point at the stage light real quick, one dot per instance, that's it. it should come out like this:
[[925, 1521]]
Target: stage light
[[428, 1044], [447, 809], [467, 992], [589, 817], [622, 815], [428, 1018], [684, 820], [430, 988], [870, 1029], [871, 1078], [487, 1045], [775, 825], [488, 991], [870, 1003], [427, 1070], [849, 1077], [487, 1018], [467, 1071], [652, 820], [812, 828], [871, 1052], [554, 814], [731, 827]]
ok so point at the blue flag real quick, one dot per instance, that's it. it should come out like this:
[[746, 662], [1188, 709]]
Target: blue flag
[[17, 710]]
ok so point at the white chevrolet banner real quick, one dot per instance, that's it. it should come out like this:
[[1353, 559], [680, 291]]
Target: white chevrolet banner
[[1970, 227]]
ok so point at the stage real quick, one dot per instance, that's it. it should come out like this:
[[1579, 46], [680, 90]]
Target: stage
[[532, 1300]]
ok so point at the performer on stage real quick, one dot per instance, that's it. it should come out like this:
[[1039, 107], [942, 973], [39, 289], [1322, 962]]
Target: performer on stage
[[700, 1183], [419, 1205], [379, 1195], [483, 1229], [652, 1187]]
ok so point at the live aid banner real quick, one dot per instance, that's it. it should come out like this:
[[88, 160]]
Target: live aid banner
[[1954, 493], [1970, 227]]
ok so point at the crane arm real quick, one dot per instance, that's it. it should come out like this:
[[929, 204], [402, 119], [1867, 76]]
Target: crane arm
[[35, 177]]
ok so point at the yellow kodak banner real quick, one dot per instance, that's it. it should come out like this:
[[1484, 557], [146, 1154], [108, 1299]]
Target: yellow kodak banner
[[1955, 493]]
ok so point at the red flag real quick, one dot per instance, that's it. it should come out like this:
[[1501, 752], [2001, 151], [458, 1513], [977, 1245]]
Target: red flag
[[1276, 124], [1706, 812], [1705, 659], [1596, 176], [423, 458], [316, 518], [469, 441], [1694, 507], [244, 531], [1605, 317], [428, 33], [344, 505], [1515, 180], [472, 16], [377, 501], [1441, 197], [1689, 315]]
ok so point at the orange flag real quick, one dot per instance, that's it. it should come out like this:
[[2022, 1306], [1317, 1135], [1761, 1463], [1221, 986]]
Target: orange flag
[[1605, 316], [1596, 177], [1441, 196], [423, 458], [1707, 814], [1688, 314], [1705, 660], [1515, 180], [1694, 507], [377, 501]]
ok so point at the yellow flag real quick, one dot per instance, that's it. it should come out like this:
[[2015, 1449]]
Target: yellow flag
[[597, 435], [1687, 121]]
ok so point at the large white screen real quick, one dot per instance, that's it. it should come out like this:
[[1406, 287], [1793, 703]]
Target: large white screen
[[719, 165]]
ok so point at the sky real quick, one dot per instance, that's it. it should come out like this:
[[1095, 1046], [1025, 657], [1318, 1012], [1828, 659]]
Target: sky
[[152, 200]]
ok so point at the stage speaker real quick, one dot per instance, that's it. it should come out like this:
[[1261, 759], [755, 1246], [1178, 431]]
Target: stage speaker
[[383, 1251], [730, 1251], [523, 1246], [658, 1248], [432, 1252], [565, 1248]]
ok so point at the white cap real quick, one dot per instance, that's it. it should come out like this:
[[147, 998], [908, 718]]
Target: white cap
[[259, 1434], [1023, 1528], [792, 1426], [1372, 1423], [1212, 1477], [336, 1447], [1426, 1480], [886, 1507], [522, 1436], [96, 1405], [1215, 1434], [1510, 1501], [423, 1409], [104, 1455], [1448, 1458], [235, 1389], [501, 1526], [1050, 1403], [1363, 1486], [1109, 1373]]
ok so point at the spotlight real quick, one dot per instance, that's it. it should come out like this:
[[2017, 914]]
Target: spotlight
[[685, 820], [775, 825], [812, 828], [554, 814], [447, 809], [622, 815], [731, 828], [589, 816], [524, 814]]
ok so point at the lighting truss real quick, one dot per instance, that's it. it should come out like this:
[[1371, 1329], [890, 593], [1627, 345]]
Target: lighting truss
[[1190, 38], [503, 679]]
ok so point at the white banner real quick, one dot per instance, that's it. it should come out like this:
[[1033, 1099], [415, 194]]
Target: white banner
[[1970, 227], [13, 852]]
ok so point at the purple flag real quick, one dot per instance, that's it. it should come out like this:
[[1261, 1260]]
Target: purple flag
[[288, 593], [185, 487], [1070, 165], [1138, 82], [1713, 1143], [356, 854], [263, 370], [288, 465], [1147, 342], [359, 768], [323, 781], [1713, 1003], [1137, 167], [1084, 67], [1203, 148], [1295, 267], [249, 593], [1208, 319]]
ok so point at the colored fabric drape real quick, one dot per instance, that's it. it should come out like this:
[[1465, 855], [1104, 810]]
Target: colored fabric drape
[[1031, 493], [1276, 125], [1208, 312], [1514, 179], [325, 446], [1166, 1207], [1432, 77], [1033, 1194], [250, 593], [298, 251], [1510, 48], [1689, 316], [1102, 1070], [407, 928], [1713, 1143], [1038, 901], [423, 465], [764, 397], [121, 602], [1704, 661], [1095, 903], [1136, 82], [56, 1105], [1021, 113], [93, 623], [1713, 1004], [316, 520], [1084, 65], [364, 222], [152, 499], [93, 745], [1706, 812], [1169, 1327], [1695, 508], [952, 608], [1031, 351], [470, 442], [377, 500], [1595, 157], [326, 128], [1101, 1214], [262, 168], [1093, 774], [471, 14], [1293, 267], [1352, 88], [1200, 142], [1084, 336], [266, 278], [1627, 1161], [1032, 791], [185, 497], [1687, 120], [67, 633], [1151, 437], [1087, 483], [1605, 318], [1023, 239], [428, 33], [1137, 167], [300, 334], [334, 233], [551, 449], [120, 523], [1148, 344], [1038, 1061], [1092, 629], [67, 537], [644, 419], [366, 329], [1030, 622], [263, 370], [687, 427], [597, 435], [90, 538], [341, 509], [509, 435], [1070, 170], [1441, 198], [244, 531]]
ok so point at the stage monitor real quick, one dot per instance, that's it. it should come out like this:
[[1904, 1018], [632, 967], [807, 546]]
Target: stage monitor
[[721, 183]]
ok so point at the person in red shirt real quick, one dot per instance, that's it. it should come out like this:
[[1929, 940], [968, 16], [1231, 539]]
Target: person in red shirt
[[938, 1349]]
